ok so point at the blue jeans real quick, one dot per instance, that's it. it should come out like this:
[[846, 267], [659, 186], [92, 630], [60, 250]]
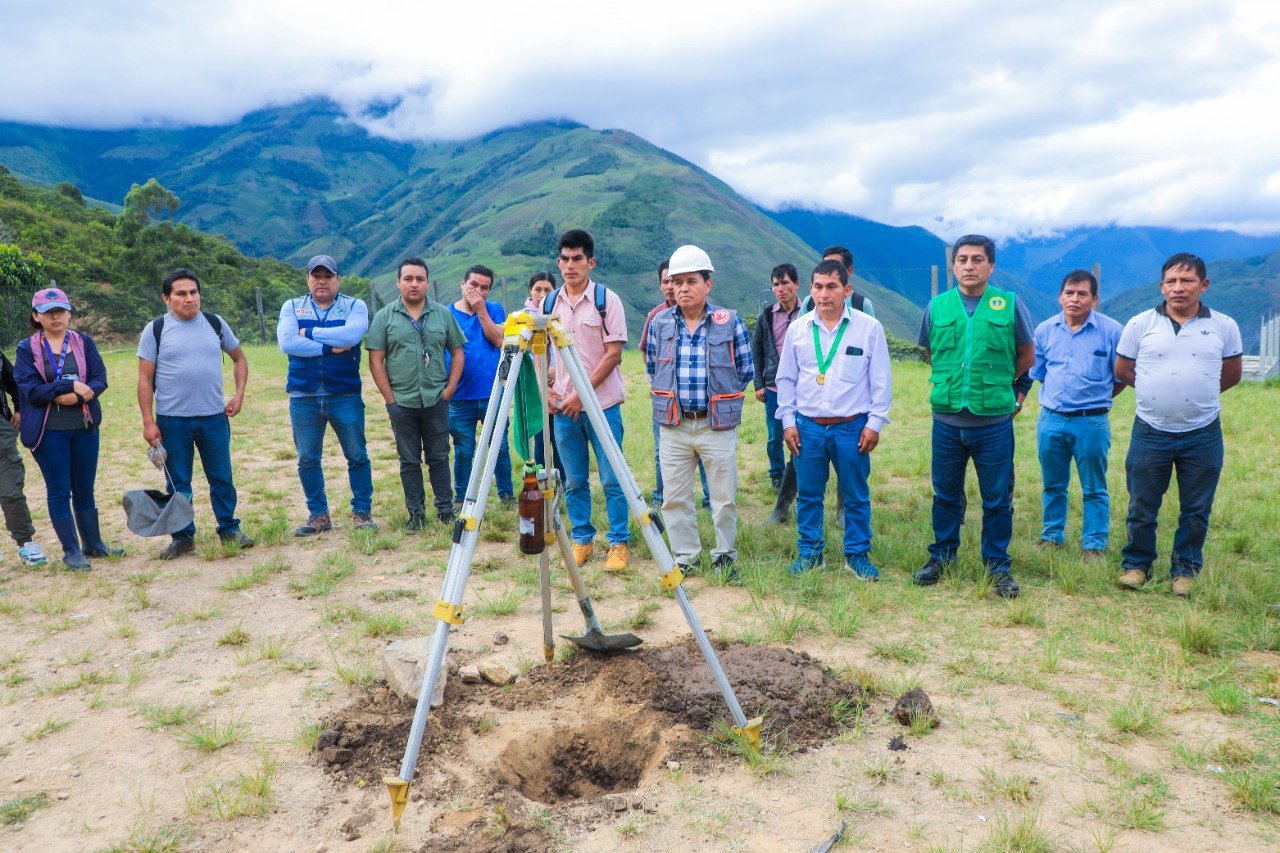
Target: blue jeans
[[657, 471], [345, 413], [821, 447], [68, 459], [463, 417], [211, 435], [1153, 457], [991, 449], [1087, 440], [774, 446], [572, 439]]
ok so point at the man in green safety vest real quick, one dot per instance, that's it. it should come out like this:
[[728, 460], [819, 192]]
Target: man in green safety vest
[[977, 338]]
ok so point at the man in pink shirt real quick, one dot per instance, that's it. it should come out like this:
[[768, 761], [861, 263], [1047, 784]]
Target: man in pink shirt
[[599, 339]]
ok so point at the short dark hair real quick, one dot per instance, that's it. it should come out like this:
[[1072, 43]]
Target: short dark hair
[[166, 287], [542, 275], [411, 262], [1078, 277], [829, 267], [785, 271], [664, 266], [577, 239], [1186, 259], [479, 269], [986, 244], [845, 254]]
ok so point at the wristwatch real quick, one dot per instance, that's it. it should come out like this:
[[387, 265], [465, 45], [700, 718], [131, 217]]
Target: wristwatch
[[1017, 407]]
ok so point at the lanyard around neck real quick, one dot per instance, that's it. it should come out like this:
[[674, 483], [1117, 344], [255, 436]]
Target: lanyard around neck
[[825, 362], [62, 359]]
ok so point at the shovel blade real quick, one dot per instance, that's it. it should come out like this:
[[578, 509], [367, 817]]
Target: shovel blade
[[607, 643]]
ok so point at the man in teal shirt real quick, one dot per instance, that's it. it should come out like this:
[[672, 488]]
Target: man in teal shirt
[[406, 343]]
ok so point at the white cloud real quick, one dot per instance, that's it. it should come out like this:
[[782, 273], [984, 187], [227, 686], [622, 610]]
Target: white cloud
[[998, 114]]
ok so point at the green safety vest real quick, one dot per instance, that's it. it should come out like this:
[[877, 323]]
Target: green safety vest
[[973, 358]]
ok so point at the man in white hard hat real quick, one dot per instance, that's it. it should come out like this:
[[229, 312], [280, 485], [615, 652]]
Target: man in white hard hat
[[698, 357]]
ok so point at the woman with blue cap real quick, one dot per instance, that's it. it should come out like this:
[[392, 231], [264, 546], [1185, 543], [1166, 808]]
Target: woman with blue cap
[[60, 376]]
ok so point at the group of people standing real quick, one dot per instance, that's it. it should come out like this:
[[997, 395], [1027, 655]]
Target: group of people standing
[[820, 365]]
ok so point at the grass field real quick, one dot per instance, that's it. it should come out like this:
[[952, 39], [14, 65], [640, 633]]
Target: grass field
[[165, 706]]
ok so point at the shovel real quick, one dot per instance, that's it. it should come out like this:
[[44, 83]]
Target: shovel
[[595, 638]]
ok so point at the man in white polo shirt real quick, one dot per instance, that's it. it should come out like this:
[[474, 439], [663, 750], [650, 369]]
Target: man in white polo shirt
[[833, 401], [1179, 356]]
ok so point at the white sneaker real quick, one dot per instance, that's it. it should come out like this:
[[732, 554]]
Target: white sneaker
[[32, 555]]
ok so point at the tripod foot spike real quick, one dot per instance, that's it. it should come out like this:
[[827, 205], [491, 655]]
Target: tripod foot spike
[[750, 732], [399, 791], [548, 654]]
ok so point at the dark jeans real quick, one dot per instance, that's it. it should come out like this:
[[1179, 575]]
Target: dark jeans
[[463, 416], [991, 449], [773, 427], [17, 515], [821, 449], [68, 459], [211, 435], [422, 434], [345, 413], [1153, 456]]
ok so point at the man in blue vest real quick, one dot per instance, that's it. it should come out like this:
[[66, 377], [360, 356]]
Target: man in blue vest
[[698, 357], [321, 334], [977, 338]]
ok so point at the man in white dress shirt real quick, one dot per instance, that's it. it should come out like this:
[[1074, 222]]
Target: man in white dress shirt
[[833, 400]]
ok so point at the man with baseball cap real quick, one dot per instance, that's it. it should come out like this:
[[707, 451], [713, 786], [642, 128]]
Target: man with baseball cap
[[321, 333], [698, 357]]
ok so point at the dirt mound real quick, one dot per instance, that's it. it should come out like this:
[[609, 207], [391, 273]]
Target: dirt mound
[[584, 762], [635, 710]]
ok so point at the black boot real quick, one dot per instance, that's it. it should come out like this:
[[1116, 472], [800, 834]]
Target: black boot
[[786, 494], [71, 553], [91, 536]]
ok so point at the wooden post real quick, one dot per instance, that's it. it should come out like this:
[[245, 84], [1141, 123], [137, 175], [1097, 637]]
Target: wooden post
[[950, 282], [1097, 273], [262, 320], [933, 281]]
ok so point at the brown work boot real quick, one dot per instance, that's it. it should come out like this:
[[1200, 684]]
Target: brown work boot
[[1133, 579], [315, 524], [581, 553], [617, 559], [1182, 586]]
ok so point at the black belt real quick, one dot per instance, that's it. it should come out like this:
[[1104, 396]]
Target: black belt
[[1082, 413], [693, 414]]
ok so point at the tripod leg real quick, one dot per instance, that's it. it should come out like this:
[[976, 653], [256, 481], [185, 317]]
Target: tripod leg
[[671, 576], [448, 609]]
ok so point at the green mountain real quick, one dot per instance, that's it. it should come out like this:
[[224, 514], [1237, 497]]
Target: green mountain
[[112, 264], [300, 180], [1246, 290]]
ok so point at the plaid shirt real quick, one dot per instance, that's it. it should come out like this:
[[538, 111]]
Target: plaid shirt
[[691, 359]]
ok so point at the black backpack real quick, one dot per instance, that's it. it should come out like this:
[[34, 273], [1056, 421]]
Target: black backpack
[[157, 326], [601, 293]]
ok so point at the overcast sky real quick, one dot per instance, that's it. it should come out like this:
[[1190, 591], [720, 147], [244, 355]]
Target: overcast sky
[[1004, 116]]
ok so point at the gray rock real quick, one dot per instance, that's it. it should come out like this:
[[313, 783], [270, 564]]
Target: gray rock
[[405, 665], [469, 674]]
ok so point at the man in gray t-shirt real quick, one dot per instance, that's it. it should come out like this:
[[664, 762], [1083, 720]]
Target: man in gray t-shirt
[[180, 377]]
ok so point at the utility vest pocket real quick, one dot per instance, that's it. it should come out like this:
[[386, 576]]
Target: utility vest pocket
[[666, 409], [724, 411]]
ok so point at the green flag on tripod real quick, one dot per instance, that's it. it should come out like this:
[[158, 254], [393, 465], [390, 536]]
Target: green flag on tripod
[[527, 414]]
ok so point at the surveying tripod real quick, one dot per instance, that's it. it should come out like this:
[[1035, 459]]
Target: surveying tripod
[[534, 335]]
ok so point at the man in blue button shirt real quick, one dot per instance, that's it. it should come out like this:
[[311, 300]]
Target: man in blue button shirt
[[1075, 365]]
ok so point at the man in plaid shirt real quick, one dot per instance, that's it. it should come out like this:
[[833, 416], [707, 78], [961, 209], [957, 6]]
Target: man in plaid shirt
[[698, 357]]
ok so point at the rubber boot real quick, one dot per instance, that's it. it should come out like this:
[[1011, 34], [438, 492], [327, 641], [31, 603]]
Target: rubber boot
[[786, 494], [91, 536], [72, 556]]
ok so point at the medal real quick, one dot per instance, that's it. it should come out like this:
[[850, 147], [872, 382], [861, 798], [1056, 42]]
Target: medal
[[824, 364]]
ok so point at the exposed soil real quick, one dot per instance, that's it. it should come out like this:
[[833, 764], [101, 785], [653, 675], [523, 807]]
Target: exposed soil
[[633, 711]]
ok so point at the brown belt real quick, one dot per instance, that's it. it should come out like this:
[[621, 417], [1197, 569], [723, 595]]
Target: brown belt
[[832, 421], [694, 415]]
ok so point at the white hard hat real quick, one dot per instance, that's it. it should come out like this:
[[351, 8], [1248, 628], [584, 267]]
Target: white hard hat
[[689, 259]]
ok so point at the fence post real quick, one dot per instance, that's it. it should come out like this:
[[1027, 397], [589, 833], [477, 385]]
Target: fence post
[[933, 281], [949, 281], [262, 320], [1097, 273]]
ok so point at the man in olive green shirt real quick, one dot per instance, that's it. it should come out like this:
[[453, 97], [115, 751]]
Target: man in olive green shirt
[[406, 345]]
